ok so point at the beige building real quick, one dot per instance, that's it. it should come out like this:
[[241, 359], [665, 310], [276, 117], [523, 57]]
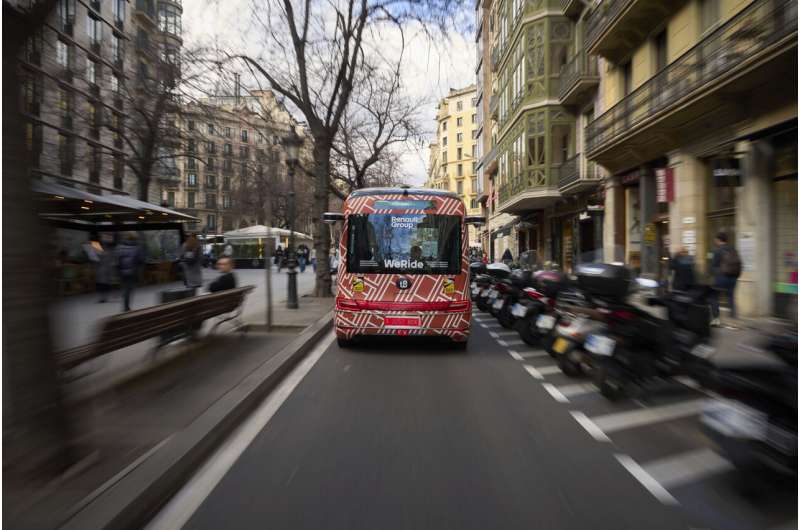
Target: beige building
[[453, 162], [234, 172], [80, 76], [697, 127]]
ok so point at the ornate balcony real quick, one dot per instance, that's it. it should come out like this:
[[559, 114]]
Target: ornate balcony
[[700, 89], [146, 11], [571, 8], [572, 178], [533, 189], [578, 80]]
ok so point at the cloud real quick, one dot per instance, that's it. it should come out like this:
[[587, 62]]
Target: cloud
[[431, 66]]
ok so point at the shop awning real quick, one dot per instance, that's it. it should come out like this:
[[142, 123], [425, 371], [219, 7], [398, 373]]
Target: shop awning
[[261, 231], [56, 201]]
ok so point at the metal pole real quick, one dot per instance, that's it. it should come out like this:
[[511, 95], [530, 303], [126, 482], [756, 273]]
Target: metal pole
[[268, 268], [291, 298]]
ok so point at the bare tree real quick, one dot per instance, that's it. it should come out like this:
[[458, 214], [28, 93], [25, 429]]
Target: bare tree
[[312, 54], [380, 124]]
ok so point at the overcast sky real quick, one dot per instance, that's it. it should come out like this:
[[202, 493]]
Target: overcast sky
[[430, 68]]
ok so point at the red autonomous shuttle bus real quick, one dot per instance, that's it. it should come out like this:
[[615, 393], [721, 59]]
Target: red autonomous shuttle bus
[[403, 265]]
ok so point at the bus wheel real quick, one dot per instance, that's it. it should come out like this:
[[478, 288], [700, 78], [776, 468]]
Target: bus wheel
[[460, 346], [344, 343]]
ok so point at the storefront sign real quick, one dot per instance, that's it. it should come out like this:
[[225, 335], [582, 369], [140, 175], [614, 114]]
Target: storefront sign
[[726, 172], [630, 179], [689, 241], [689, 220], [595, 208], [747, 251], [665, 191], [583, 216], [650, 233]]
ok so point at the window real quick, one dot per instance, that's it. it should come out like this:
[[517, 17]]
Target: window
[[191, 163], [474, 182], [459, 105], [65, 99], [444, 125], [211, 147], [244, 152], [66, 153], [227, 132], [661, 50], [474, 168], [116, 48], [91, 71], [190, 146], [260, 138], [474, 103], [191, 180], [210, 165], [244, 135], [474, 134], [458, 154], [94, 29], [190, 125], [210, 128], [459, 137], [475, 151], [118, 9], [211, 181], [460, 185], [169, 19], [66, 13], [171, 199], [474, 118], [473, 203], [460, 171], [94, 163], [226, 183], [227, 149], [119, 171], [709, 14], [62, 54], [226, 201], [116, 126], [115, 83], [459, 122], [444, 141], [444, 157], [227, 165], [190, 199], [212, 221]]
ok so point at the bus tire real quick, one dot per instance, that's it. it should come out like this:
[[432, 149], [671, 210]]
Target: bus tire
[[344, 343], [460, 346]]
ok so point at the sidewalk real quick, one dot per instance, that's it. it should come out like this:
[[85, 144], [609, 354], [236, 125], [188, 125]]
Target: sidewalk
[[127, 423]]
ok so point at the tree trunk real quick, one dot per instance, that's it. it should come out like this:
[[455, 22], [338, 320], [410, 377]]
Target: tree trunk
[[35, 428], [322, 238]]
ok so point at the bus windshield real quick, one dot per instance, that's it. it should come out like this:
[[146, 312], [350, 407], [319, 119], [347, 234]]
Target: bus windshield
[[404, 243]]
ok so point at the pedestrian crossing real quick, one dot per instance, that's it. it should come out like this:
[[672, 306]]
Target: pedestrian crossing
[[633, 426]]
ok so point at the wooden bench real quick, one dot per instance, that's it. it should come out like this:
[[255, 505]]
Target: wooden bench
[[174, 320]]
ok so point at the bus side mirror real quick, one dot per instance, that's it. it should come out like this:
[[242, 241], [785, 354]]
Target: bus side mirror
[[475, 220], [332, 217]]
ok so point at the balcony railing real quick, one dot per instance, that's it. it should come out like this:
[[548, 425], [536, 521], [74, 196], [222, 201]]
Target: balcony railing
[[568, 172], [147, 8], [580, 67], [602, 17], [528, 179], [735, 44]]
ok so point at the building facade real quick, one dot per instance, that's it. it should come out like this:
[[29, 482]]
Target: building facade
[[697, 129], [454, 153], [83, 72], [234, 173]]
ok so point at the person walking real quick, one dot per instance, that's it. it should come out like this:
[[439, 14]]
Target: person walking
[[191, 262], [129, 261], [104, 272], [507, 258], [726, 267], [226, 280], [279, 257], [682, 267], [313, 258]]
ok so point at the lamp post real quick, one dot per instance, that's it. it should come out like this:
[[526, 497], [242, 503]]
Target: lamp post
[[292, 143]]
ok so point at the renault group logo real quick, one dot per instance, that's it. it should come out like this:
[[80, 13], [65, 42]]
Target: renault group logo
[[403, 283]]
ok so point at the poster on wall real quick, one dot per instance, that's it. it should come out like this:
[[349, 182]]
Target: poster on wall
[[746, 246]]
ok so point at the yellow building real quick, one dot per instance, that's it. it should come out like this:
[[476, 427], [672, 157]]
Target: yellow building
[[453, 158], [697, 127]]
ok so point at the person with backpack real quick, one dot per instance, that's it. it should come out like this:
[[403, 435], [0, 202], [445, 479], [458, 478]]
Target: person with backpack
[[129, 261], [726, 267]]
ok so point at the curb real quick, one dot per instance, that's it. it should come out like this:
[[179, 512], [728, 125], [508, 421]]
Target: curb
[[141, 491]]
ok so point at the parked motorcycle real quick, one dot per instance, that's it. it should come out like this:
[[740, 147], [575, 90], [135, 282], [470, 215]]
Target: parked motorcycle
[[756, 423], [510, 291], [487, 295], [637, 345], [535, 308]]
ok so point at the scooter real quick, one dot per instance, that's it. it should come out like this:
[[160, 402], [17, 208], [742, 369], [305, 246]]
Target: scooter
[[535, 307], [756, 423], [487, 296], [571, 331], [510, 292]]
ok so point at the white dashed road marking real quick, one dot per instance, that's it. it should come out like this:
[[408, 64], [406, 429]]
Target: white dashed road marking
[[590, 426], [515, 355], [549, 370], [534, 354], [687, 467], [619, 421], [493, 334], [534, 372], [577, 389], [507, 333], [553, 391], [647, 480]]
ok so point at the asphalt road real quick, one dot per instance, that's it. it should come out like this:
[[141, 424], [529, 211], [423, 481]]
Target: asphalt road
[[405, 435]]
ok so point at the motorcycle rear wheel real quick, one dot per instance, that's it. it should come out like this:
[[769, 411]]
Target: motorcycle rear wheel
[[528, 332], [505, 317], [608, 382]]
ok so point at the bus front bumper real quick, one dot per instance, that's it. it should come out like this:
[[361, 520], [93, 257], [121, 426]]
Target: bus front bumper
[[454, 325]]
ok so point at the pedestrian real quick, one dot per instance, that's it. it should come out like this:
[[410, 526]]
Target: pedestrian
[[485, 259], [228, 252], [104, 272], [507, 258], [301, 257], [682, 267], [92, 250], [279, 257], [129, 261], [313, 257], [191, 262], [226, 279], [726, 267]]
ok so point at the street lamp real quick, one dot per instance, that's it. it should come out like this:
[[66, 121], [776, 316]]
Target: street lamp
[[292, 143]]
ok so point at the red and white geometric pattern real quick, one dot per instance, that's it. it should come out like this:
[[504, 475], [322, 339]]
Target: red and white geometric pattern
[[383, 287]]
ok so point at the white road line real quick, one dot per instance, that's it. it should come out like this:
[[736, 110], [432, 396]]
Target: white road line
[[549, 370], [590, 426], [493, 335], [484, 326], [492, 325], [507, 333], [577, 389], [650, 483], [619, 421], [515, 355], [534, 372], [687, 467], [181, 507], [534, 354], [553, 391], [515, 343], [502, 343]]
